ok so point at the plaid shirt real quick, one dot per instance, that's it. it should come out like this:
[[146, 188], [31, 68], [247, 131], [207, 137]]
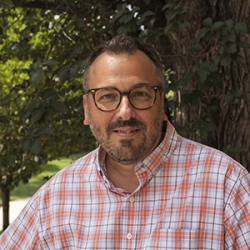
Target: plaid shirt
[[190, 197]]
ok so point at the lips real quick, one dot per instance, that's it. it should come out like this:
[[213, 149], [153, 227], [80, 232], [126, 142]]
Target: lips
[[126, 131]]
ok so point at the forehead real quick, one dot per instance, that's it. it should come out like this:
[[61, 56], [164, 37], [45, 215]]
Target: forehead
[[122, 70]]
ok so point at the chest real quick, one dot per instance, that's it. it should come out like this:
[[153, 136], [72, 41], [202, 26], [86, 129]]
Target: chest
[[159, 216]]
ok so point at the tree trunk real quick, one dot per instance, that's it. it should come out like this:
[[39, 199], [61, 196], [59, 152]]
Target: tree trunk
[[5, 194], [232, 121]]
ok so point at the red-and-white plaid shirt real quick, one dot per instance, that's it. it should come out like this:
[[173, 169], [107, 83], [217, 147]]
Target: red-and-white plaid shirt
[[190, 197]]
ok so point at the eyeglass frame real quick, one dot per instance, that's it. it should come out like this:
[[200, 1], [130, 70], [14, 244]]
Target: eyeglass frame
[[124, 93]]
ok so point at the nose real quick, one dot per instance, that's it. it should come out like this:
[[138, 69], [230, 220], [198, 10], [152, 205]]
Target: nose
[[125, 109]]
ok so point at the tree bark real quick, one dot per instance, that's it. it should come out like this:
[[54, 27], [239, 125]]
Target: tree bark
[[232, 121], [5, 194]]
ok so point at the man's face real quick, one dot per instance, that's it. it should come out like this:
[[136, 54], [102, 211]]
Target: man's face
[[127, 134]]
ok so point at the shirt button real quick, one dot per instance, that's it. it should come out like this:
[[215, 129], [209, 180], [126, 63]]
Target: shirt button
[[129, 236], [132, 199]]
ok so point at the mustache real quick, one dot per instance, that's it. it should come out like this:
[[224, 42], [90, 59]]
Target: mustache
[[131, 123]]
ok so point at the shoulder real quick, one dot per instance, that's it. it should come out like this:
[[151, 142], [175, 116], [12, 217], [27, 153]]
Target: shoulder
[[72, 177], [202, 158], [85, 164]]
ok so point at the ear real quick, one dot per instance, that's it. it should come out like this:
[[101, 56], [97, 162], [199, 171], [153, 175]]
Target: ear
[[86, 110]]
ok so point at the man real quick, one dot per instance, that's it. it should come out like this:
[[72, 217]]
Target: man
[[145, 186]]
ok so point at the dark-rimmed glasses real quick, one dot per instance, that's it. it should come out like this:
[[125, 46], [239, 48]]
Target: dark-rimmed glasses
[[140, 97]]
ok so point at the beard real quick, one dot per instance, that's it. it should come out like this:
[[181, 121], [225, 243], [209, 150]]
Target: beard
[[129, 151]]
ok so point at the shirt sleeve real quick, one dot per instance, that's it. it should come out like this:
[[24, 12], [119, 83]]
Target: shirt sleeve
[[22, 233], [237, 211]]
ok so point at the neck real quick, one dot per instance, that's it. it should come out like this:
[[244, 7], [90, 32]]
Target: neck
[[122, 176]]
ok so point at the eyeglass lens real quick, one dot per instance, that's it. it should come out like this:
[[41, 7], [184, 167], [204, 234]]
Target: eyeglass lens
[[141, 97]]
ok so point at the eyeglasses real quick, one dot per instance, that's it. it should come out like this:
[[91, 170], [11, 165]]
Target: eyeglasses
[[140, 97]]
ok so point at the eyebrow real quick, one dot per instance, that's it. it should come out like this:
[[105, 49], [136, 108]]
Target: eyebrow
[[138, 84]]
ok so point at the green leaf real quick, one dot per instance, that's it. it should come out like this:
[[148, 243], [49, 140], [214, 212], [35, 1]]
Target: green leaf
[[58, 107], [51, 62], [6, 3], [45, 131], [170, 14], [121, 9], [36, 146], [73, 70], [176, 84], [37, 114], [231, 48], [236, 150], [4, 119], [240, 94], [141, 20], [122, 30], [203, 74], [63, 71], [235, 94], [210, 36], [230, 24], [168, 28], [26, 144], [243, 45], [238, 58], [126, 18], [181, 26], [240, 27], [195, 97], [226, 60], [229, 97], [80, 23], [203, 32], [231, 151], [217, 25], [48, 93], [10, 160], [207, 22], [231, 36], [168, 5], [36, 77]]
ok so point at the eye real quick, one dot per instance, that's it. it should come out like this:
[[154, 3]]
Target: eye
[[107, 95], [141, 93]]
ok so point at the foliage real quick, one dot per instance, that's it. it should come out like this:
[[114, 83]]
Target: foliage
[[40, 95], [39, 103], [44, 45]]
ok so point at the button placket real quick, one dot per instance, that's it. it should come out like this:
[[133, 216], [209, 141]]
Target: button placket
[[129, 236], [132, 199]]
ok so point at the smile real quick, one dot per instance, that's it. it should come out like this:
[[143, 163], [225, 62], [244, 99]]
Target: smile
[[127, 131]]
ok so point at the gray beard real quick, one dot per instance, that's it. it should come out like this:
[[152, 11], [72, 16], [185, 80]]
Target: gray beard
[[129, 151]]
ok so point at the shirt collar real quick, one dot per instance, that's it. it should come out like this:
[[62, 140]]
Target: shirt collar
[[147, 168]]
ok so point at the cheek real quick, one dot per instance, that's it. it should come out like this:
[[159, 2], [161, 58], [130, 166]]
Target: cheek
[[96, 119]]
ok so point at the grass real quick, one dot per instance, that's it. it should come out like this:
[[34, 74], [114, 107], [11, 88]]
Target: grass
[[49, 169]]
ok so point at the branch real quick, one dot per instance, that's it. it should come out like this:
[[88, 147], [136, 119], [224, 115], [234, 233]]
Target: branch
[[45, 4]]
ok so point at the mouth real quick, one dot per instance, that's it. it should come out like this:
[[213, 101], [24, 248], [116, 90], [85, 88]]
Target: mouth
[[127, 128], [126, 132]]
